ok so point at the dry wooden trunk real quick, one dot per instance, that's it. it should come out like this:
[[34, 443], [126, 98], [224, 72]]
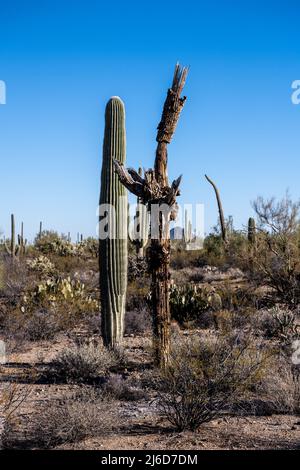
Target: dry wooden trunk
[[160, 250], [152, 190]]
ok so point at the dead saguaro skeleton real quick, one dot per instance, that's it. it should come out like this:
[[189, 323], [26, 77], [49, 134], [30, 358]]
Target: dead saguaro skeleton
[[220, 208], [153, 190]]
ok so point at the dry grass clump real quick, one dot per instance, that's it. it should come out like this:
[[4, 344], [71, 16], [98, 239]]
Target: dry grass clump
[[84, 362], [119, 388], [138, 321], [85, 413], [281, 386], [12, 397]]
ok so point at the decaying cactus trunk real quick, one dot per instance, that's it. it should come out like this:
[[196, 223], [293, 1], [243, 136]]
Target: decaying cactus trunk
[[154, 190], [141, 227], [220, 208], [113, 249]]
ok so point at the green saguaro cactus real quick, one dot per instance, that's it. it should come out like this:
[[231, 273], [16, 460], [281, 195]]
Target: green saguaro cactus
[[251, 231], [113, 246], [13, 249], [21, 241], [187, 232]]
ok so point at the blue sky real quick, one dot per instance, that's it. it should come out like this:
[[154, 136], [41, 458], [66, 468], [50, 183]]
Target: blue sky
[[62, 60]]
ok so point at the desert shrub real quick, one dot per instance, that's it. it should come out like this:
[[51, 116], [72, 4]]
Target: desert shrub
[[16, 280], [280, 386], [206, 376], [279, 323], [69, 419], [137, 268], [276, 261], [137, 295], [181, 259], [49, 242], [67, 265], [84, 362], [40, 325], [187, 303], [237, 297], [138, 321], [52, 243], [117, 387], [1, 275], [213, 253], [12, 397]]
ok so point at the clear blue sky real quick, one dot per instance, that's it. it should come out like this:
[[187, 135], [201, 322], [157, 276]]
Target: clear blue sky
[[62, 60]]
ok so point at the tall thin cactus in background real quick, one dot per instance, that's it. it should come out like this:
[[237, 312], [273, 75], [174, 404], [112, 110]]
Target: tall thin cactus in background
[[220, 208], [251, 231], [113, 245], [41, 229], [187, 232], [139, 237], [13, 250], [21, 241]]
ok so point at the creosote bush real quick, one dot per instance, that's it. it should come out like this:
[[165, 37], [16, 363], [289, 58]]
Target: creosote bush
[[85, 362], [206, 376], [69, 419]]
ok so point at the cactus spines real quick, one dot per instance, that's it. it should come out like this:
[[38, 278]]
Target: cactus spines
[[113, 248], [13, 250], [251, 231], [139, 237]]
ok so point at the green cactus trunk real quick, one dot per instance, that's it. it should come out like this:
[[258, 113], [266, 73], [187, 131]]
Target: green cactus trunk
[[13, 237], [113, 249], [13, 249], [251, 231], [21, 240]]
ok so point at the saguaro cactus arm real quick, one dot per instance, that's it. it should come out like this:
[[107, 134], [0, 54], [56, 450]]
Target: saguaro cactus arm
[[220, 208]]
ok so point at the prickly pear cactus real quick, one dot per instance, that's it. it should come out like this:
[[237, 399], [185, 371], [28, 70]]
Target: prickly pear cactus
[[113, 249]]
